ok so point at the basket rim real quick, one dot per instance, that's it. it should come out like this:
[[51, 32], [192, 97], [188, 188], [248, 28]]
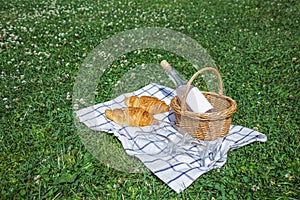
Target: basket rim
[[209, 116]]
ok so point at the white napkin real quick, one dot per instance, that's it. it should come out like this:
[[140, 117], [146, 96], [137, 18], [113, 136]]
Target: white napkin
[[176, 158]]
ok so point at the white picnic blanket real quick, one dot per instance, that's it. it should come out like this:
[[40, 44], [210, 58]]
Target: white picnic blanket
[[176, 158]]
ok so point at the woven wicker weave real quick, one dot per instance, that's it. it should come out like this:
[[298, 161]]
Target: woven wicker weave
[[205, 126]]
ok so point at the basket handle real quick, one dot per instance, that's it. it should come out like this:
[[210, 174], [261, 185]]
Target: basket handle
[[188, 85]]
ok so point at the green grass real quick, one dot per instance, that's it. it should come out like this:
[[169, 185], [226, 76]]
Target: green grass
[[255, 45]]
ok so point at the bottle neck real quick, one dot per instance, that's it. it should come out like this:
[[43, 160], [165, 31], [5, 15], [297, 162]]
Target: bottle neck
[[176, 78]]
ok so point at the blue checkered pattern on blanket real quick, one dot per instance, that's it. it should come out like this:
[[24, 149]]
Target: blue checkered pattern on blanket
[[176, 158]]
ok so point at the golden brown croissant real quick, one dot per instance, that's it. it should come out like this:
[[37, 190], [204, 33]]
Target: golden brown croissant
[[130, 116], [148, 103]]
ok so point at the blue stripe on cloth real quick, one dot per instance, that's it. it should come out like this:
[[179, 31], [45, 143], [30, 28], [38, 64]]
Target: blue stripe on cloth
[[145, 91], [154, 160], [233, 136], [156, 93], [95, 117], [200, 161], [141, 147], [185, 173], [87, 113], [166, 93], [171, 166], [237, 127], [100, 125], [245, 136], [125, 135]]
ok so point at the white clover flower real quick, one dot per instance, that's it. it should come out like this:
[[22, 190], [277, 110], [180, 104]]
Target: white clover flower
[[37, 178], [287, 175], [68, 96], [255, 188], [81, 101], [76, 106]]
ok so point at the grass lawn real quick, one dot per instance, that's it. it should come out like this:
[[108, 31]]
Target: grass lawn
[[255, 44]]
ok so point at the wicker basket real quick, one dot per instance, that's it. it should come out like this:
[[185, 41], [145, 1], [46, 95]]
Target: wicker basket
[[205, 126]]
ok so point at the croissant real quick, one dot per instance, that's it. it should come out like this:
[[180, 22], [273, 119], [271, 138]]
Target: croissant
[[148, 103], [130, 116]]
